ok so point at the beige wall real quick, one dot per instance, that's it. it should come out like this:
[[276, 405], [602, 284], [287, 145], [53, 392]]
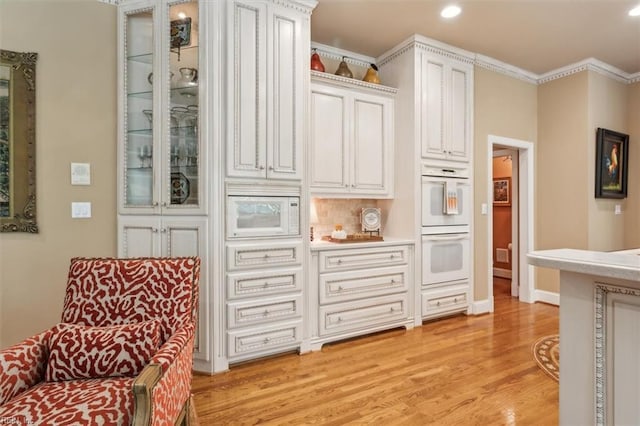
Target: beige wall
[[607, 109], [632, 205], [507, 107], [562, 193], [75, 122]]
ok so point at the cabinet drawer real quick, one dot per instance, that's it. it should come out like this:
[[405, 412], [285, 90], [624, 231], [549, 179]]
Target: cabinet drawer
[[245, 256], [264, 339], [362, 314], [263, 283], [257, 312], [445, 299], [339, 260], [350, 285]]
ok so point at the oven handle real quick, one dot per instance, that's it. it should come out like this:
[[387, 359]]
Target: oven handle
[[448, 238]]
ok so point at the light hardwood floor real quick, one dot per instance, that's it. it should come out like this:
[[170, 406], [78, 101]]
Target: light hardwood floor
[[475, 370]]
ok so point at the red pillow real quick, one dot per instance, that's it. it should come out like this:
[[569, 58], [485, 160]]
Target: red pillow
[[82, 352]]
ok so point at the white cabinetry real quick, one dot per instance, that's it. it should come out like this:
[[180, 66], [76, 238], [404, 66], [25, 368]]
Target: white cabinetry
[[351, 146], [161, 173], [445, 99], [359, 290], [266, 45], [263, 298]]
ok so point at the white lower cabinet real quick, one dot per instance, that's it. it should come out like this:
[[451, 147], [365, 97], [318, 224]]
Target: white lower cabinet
[[263, 298], [356, 291], [444, 299]]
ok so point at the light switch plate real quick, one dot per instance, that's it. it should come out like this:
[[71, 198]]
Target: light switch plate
[[484, 208], [80, 174], [617, 209], [80, 210]]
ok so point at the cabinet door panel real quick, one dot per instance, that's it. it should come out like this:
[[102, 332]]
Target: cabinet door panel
[[432, 101], [184, 237], [329, 141], [458, 140], [284, 117], [246, 155], [139, 237], [370, 156]]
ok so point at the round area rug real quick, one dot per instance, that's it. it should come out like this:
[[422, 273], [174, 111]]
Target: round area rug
[[546, 352]]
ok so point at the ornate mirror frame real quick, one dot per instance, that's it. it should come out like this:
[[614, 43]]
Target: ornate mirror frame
[[18, 141]]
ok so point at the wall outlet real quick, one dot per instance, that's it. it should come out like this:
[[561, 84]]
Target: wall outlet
[[617, 209], [80, 210]]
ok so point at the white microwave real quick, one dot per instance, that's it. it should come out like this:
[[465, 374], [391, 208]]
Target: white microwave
[[254, 216]]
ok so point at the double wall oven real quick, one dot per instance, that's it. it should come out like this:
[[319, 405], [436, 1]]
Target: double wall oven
[[446, 218]]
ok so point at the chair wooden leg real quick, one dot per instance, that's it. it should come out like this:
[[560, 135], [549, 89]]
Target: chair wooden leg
[[191, 419]]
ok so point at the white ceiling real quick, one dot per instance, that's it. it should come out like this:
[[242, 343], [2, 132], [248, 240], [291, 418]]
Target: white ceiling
[[535, 35]]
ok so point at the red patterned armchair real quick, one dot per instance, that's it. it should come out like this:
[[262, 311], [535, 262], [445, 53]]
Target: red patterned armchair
[[121, 355]]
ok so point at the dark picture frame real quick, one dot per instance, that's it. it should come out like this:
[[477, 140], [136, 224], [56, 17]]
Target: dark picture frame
[[181, 33], [612, 154], [502, 191]]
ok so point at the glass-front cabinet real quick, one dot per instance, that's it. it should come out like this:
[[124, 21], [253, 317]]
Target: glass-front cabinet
[[160, 147]]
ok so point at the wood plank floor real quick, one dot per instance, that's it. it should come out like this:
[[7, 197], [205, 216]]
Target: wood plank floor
[[476, 370]]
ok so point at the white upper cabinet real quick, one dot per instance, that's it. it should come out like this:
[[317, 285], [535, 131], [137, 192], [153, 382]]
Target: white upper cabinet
[[351, 143], [445, 102], [159, 149], [266, 45]]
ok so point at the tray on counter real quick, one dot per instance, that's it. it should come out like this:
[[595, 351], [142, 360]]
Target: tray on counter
[[353, 238]]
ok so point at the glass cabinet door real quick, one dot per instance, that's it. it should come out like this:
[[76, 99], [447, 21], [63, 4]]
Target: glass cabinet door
[[138, 132], [184, 116]]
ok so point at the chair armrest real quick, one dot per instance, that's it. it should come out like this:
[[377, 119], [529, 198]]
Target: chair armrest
[[23, 365], [164, 386]]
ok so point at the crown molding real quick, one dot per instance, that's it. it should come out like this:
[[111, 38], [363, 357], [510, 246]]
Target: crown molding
[[113, 2], [590, 64], [337, 54], [350, 82], [495, 65]]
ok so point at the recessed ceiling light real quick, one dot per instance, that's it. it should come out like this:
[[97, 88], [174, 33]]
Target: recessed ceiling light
[[450, 11], [635, 11]]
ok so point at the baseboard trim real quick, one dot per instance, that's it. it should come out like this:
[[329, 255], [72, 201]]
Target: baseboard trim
[[502, 273], [546, 297], [481, 307]]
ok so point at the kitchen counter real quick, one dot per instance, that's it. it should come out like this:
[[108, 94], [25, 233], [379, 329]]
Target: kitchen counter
[[599, 339], [319, 245]]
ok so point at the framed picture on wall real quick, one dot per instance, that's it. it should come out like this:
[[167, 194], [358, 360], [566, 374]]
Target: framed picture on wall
[[612, 152], [502, 191]]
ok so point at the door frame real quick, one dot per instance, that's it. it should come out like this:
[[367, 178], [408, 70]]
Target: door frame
[[525, 216]]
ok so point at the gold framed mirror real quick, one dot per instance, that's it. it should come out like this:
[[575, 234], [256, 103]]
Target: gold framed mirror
[[18, 141]]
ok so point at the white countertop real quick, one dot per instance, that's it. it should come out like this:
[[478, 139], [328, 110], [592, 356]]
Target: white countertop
[[319, 245], [623, 265]]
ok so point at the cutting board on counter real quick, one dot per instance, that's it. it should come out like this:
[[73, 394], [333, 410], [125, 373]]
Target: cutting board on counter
[[353, 239]]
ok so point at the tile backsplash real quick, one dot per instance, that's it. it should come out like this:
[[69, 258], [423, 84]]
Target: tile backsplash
[[336, 211]]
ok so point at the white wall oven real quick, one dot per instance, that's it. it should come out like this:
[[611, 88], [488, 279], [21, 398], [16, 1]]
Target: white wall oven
[[445, 257], [446, 194], [446, 218], [257, 216]]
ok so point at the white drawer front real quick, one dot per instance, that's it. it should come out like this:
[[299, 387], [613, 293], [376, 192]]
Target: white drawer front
[[447, 299], [362, 314], [263, 283], [350, 285], [244, 256], [258, 312], [339, 260], [264, 339]]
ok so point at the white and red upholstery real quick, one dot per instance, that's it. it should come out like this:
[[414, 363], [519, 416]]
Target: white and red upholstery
[[126, 323]]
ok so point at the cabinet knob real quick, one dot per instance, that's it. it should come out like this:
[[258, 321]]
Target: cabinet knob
[[393, 281], [265, 313], [154, 230], [339, 319], [261, 168], [391, 257], [455, 299], [164, 204], [266, 256], [392, 310], [340, 288], [353, 185], [266, 340], [163, 230], [339, 261], [438, 304], [155, 204], [266, 285], [271, 168]]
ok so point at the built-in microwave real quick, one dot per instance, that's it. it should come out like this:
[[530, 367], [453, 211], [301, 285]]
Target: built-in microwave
[[257, 216]]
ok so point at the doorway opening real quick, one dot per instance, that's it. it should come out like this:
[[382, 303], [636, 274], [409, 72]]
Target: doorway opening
[[511, 190]]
